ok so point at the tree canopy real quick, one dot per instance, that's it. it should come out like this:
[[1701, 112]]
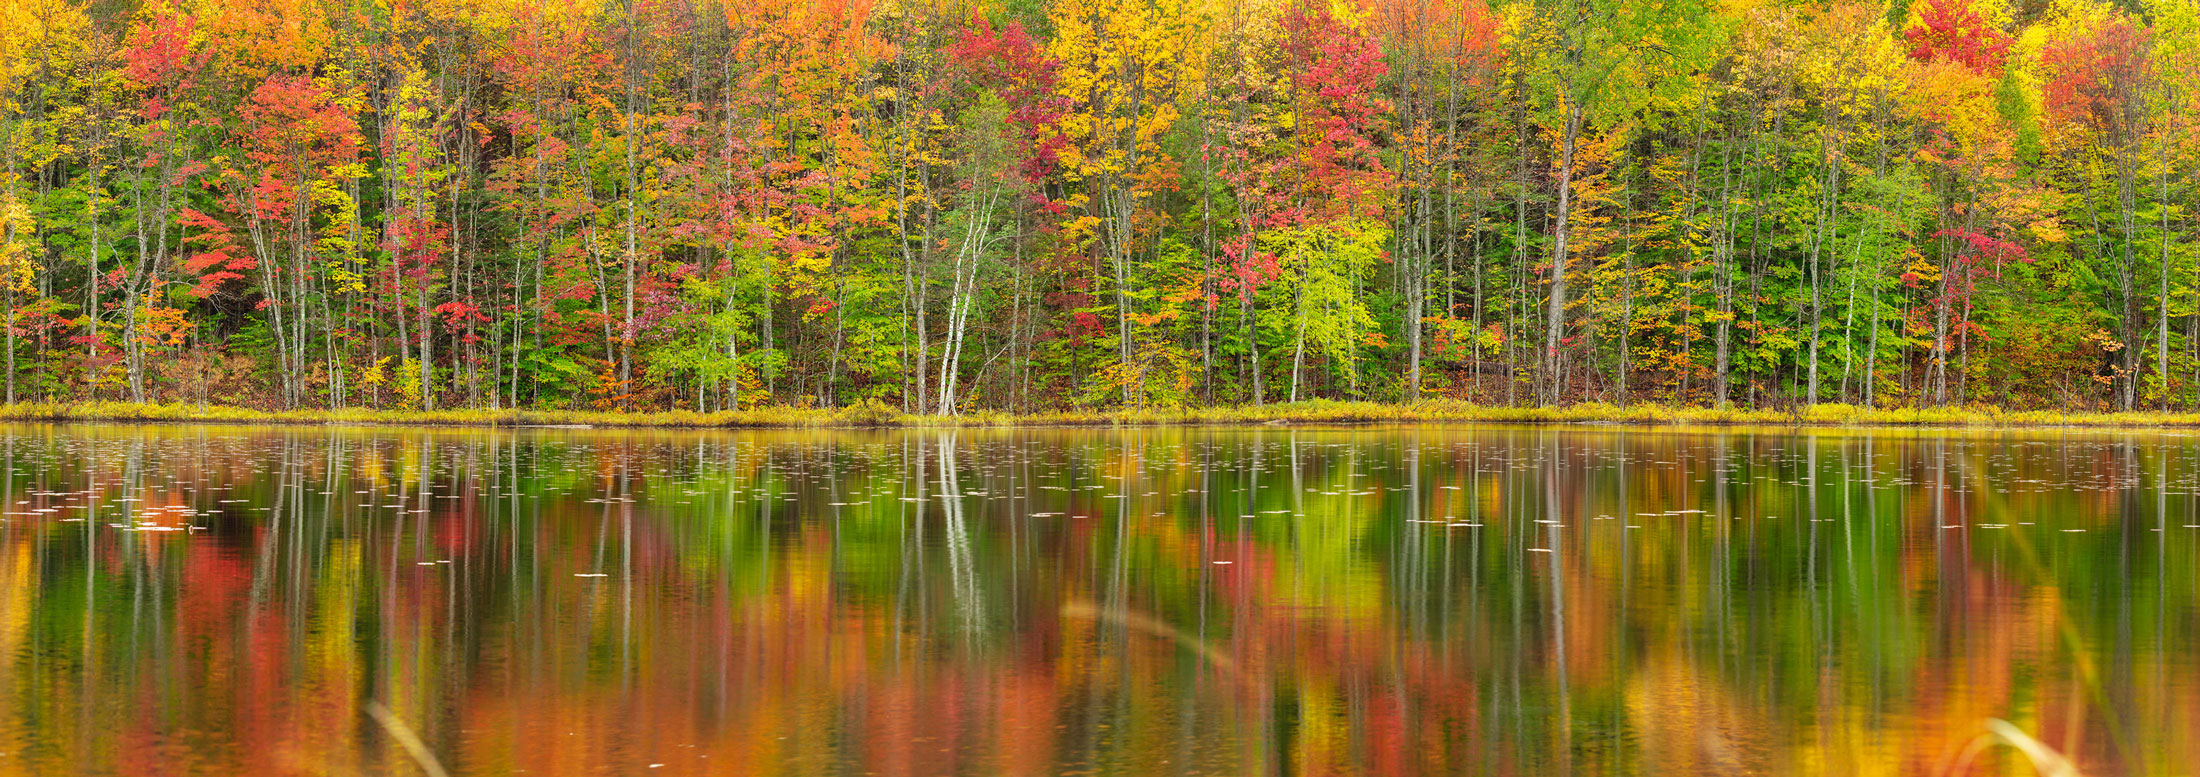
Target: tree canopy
[[946, 207]]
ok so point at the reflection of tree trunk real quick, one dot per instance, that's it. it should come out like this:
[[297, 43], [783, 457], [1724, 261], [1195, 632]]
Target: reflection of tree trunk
[[2118, 692], [1553, 532], [626, 575], [959, 559], [910, 515]]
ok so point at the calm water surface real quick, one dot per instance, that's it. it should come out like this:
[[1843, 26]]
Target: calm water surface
[[213, 600]]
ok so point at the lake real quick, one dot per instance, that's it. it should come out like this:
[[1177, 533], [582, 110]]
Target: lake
[[1471, 600]]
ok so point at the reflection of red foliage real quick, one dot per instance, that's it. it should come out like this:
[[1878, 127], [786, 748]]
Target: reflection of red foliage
[[808, 649], [214, 582]]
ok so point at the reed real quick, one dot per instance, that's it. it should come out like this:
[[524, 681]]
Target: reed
[[1312, 413]]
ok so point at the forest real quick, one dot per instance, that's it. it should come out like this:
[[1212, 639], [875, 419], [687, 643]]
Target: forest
[[1029, 205]]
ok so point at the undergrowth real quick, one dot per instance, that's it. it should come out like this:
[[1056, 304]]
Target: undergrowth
[[1312, 413]]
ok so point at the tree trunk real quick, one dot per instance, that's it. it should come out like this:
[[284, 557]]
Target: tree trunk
[[1554, 334]]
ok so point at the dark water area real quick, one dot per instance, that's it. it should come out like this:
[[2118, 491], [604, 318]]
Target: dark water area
[[1474, 600]]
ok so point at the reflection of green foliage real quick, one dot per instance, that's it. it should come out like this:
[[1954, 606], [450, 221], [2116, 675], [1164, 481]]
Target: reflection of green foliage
[[959, 554]]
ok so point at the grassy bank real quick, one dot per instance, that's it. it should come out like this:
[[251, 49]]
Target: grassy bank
[[1320, 413]]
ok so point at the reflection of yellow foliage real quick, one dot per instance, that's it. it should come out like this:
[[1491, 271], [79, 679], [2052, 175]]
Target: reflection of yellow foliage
[[15, 597], [1690, 726]]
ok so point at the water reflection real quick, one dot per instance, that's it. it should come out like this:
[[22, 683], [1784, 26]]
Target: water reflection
[[1486, 600]]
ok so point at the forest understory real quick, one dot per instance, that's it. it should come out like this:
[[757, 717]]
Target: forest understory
[[1310, 414]]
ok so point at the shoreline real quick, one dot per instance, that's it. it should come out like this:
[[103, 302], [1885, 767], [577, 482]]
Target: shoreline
[[1313, 414]]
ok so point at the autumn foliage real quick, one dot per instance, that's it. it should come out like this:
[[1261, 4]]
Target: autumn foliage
[[1013, 206]]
